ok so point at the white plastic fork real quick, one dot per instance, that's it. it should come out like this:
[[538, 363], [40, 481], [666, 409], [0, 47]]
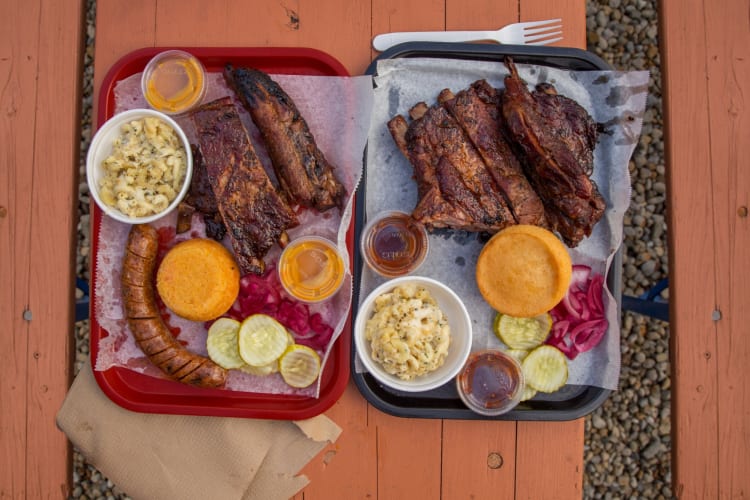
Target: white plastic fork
[[527, 33]]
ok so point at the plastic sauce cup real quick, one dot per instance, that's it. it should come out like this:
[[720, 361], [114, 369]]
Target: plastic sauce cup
[[394, 244], [174, 82], [491, 382], [311, 269]]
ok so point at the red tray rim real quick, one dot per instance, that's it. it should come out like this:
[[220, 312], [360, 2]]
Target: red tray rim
[[168, 397]]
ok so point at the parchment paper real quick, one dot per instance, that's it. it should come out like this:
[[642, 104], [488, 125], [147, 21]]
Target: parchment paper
[[337, 110], [614, 99]]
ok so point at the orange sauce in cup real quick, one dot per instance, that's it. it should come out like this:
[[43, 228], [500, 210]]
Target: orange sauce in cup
[[311, 269], [173, 82]]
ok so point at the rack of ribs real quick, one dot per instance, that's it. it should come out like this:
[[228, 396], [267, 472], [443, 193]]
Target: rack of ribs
[[255, 215], [557, 137], [477, 111], [456, 190], [305, 175]]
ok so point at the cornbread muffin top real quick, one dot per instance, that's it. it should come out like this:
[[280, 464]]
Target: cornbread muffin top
[[198, 279], [523, 271]]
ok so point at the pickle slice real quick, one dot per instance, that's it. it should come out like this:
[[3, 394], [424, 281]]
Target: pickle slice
[[522, 333], [299, 366], [545, 369], [262, 340], [221, 343], [517, 354], [528, 393]]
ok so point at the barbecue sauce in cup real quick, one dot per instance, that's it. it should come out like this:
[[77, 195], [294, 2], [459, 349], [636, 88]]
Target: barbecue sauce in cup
[[491, 382], [394, 244]]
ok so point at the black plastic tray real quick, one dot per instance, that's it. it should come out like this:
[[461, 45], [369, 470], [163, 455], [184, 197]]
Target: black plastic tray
[[569, 403]]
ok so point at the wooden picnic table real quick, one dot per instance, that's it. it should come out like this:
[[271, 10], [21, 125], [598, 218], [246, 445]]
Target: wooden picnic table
[[705, 56]]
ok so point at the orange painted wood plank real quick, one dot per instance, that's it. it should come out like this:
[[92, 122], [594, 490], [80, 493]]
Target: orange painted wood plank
[[483, 14], [479, 459], [113, 42], [409, 456], [349, 467], [339, 27], [693, 293], [40, 60], [727, 66], [549, 460], [18, 70], [53, 219]]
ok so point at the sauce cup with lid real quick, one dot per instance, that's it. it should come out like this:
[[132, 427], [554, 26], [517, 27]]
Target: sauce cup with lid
[[311, 269], [491, 382], [173, 82], [394, 244]]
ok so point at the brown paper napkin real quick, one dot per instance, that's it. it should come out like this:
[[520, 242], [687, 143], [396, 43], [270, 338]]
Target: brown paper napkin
[[172, 456]]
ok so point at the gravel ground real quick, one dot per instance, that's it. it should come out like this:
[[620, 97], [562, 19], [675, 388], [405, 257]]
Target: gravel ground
[[627, 445]]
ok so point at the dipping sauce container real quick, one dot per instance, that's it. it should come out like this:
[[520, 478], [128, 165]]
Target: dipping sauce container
[[394, 244], [490, 383], [173, 82], [311, 269]]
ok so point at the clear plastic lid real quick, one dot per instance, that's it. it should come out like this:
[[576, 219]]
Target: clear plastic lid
[[394, 244], [490, 383], [174, 81], [311, 269]]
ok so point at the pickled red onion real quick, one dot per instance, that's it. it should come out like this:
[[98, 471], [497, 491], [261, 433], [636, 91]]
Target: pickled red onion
[[579, 319]]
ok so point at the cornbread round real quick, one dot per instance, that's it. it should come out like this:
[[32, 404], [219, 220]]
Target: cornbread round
[[523, 271], [198, 279]]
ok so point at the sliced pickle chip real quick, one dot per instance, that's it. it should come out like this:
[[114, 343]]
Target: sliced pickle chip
[[262, 340], [522, 333], [528, 393], [545, 369], [221, 343], [299, 366], [517, 354]]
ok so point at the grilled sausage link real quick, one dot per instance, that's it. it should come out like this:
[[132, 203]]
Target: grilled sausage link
[[149, 330]]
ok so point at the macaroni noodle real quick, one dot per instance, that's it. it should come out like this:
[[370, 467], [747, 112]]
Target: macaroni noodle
[[145, 170], [408, 333]]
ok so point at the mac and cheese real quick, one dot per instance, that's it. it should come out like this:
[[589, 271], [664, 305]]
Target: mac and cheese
[[408, 332], [145, 170]]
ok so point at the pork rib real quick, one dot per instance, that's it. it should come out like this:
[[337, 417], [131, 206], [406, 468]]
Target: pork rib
[[477, 111], [251, 209], [455, 188], [304, 174], [557, 162]]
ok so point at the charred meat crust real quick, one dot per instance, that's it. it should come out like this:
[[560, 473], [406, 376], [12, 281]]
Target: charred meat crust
[[557, 137], [477, 111], [304, 173], [201, 198], [255, 215], [455, 188], [146, 324], [484, 159]]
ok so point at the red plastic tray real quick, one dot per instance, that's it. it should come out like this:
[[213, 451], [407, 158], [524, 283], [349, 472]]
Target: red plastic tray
[[146, 394]]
